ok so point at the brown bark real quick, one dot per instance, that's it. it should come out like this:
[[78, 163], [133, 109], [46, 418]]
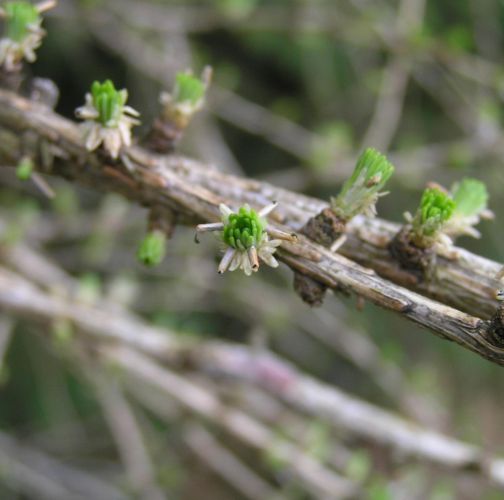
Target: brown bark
[[193, 191]]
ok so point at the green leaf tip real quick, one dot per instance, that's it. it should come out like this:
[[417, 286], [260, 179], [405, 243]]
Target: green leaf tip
[[24, 169], [188, 89], [20, 17], [362, 190], [471, 205], [470, 196], [243, 229], [436, 208], [108, 101], [152, 249]]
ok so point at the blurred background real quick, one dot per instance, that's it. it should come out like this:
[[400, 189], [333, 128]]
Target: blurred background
[[300, 88]]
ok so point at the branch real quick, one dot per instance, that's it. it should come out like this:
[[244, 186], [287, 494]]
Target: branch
[[224, 463], [194, 191], [127, 434]]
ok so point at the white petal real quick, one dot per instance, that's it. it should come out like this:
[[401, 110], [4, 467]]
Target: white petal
[[269, 259], [268, 209], [87, 112], [236, 262], [225, 212], [246, 266], [130, 111], [92, 136], [226, 260], [125, 132], [112, 142]]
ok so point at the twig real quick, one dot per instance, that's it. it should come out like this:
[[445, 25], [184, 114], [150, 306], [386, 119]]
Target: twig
[[37, 475], [194, 192], [325, 483], [127, 435]]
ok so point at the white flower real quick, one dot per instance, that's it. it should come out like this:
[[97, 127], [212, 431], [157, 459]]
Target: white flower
[[115, 133], [12, 52], [246, 252]]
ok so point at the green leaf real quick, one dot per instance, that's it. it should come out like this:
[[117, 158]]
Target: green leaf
[[25, 169], [20, 16], [188, 89], [470, 196], [361, 191]]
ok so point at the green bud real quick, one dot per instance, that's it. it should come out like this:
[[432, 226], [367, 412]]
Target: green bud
[[24, 169], [20, 16], [362, 190], [436, 208], [243, 229], [109, 102], [152, 249], [188, 90]]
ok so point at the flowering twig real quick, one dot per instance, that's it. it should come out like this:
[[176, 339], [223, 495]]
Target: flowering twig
[[23, 32], [413, 246], [359, 195], [246, 235], [177, 110], [108, 120]]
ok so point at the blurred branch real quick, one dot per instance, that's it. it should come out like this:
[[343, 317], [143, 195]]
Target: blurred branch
[[395, 77], [37, 475], [224, 463], [316, 477], [127, 434], [101, 326]]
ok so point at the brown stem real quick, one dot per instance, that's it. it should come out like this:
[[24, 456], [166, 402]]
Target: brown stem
[[194, 192]]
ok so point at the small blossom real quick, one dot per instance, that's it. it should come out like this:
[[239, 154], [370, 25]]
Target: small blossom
[[23, 32], [246, 236], [108, 120]]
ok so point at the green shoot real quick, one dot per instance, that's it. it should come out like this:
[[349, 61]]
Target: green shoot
[[362, 190], [152, 249]]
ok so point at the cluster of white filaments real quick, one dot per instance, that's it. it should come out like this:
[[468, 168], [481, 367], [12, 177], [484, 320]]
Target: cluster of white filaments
[[460, 225], [247, 259], [15, 49]]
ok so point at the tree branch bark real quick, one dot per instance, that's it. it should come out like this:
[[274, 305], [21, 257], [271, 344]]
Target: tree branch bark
[[194, 190]]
